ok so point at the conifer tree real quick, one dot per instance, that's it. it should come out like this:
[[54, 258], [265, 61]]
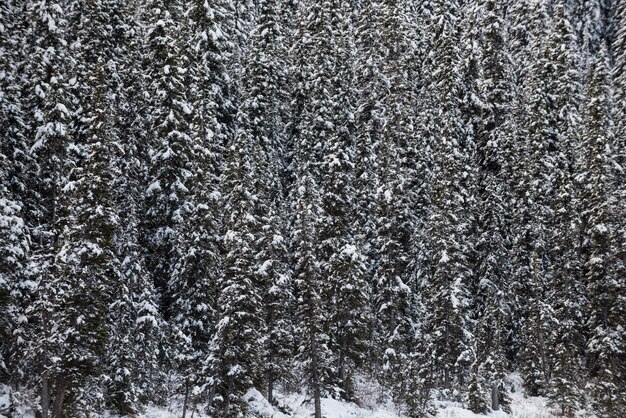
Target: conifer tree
[[551, 139], [603, 264], [619, 77], [566, 289], [446, 270], [171, 146], [492, 132], [50, 109], [394, 137], [14, 234], [235, 349], [313, 353], [342, 262], [262, 117], [88, 265], [323, 134]]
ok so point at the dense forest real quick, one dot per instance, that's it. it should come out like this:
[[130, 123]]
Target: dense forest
[[200, 197]]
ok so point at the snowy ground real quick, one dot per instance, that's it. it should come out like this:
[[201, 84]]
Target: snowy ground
[[296, 406]]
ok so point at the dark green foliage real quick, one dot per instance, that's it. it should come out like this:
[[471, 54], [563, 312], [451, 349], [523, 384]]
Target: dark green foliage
[[199, 199]]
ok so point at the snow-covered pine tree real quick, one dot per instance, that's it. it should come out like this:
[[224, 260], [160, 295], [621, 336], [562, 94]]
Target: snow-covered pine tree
[[391, 131], [235, 357], [491, 128], [566, 294], [179, 198], [368, 127], [49, 107], [602, 205], [14, 246], [444, 270], [197, 275], [313, 355], [322, 130], [546, 117], [262, 116], [618, 73], [88, 266], [14, 234], [345, 289], [211, 90], [368, 121], [168, 119]]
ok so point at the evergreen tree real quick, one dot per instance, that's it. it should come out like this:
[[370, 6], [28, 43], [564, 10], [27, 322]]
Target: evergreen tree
[[14, 234], [87, 259], [619, 77], [567, 293], [49, 106], [491, 129], [313, 353], [262, 117], [346, 289], [394, 139], [236, 350], [445, 272], [603, 267], [323, 133]]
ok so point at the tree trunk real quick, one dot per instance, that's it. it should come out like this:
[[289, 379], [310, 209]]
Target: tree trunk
[[542, 345], [314, 367], [45, 395], [229, 392], [342, 366], [186, 398], [495, 404], [270, 387], [57, 410], [45, 384], [211, 396]]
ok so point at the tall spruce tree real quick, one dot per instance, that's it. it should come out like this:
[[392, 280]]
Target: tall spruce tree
[[445, 271], [236, 350], [262, 117], [604, 238], [14, 233], [492, 129]]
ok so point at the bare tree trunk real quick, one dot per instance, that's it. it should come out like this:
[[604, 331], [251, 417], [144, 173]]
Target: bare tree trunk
[[542, 346], [270, 386], [228, 394], [57, 410], [315, 371], [45, 395], [45, 384], [495, 404], [186, 398], [211, 396], [270, 360], [343, 374]]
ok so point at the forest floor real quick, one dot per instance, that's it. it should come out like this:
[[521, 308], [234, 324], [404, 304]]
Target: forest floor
[[296, 405]]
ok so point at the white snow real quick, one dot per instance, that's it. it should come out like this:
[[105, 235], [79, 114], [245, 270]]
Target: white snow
[[371, 405], [154, 187]]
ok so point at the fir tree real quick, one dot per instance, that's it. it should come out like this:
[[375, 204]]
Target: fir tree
[[446, 270], [602, 268], [236, 350], [492, 132], [566, 288], [313, 353], [262, 117], [14, 233]]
